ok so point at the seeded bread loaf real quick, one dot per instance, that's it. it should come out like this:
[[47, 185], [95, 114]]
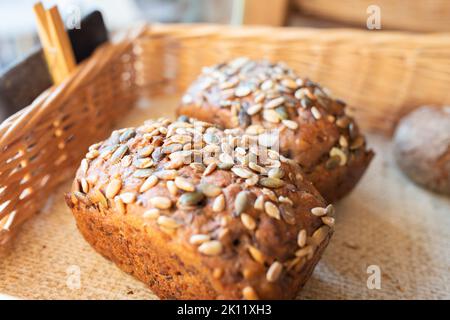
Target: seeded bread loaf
[[422, 147], [199, 213], [313, 128]]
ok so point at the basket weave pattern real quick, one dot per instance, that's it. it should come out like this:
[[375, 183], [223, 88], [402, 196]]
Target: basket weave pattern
[[380, 75], [41, 145]]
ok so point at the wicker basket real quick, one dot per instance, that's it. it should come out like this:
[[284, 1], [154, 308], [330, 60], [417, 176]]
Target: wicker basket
[[381, 75], [413, 15]]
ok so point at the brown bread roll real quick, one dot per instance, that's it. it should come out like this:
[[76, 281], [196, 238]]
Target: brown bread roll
[[242, 224], [422, 147], [313, 128]]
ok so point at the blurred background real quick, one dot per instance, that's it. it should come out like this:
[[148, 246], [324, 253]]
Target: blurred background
[[18, 29]]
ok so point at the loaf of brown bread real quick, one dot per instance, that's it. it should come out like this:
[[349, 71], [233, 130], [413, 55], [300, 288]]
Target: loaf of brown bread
[[200, 213], [314, 129]]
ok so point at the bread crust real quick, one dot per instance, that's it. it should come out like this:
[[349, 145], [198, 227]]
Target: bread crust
[[317, 124], [259, 257]]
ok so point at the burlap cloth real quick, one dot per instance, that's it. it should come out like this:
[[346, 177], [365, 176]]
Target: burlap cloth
[[387, 221]]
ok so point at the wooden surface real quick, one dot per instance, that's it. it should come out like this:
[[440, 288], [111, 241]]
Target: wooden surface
[[387, 221], [419, 15], [271, 13]]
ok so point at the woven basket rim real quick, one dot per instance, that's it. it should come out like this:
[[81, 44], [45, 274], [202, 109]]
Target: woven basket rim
[[90, 66]]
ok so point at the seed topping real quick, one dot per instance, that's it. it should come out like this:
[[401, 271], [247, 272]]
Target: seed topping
[[274, 272], [184, 184], [191, 199], [249, 293], [211, 248], [318, 211], [272, 210], [113, 188], [301, 238], [248, 221], [148, 184], [161, 202], [241, 202], [219, 203], [168, 222], [210, 190], [128, 197], [198, 239], [273, 183]]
